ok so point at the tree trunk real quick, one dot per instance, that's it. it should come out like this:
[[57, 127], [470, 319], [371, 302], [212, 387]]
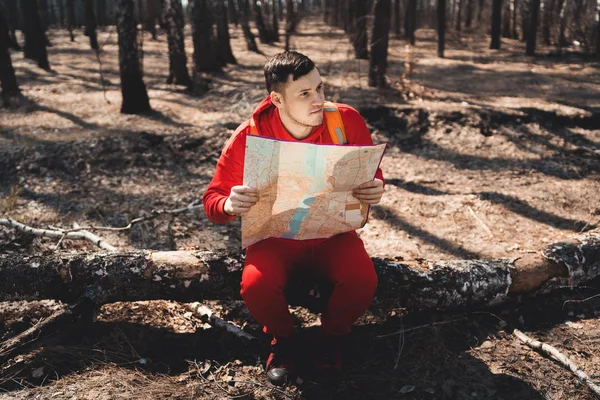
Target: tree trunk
[[546, 21], [175, 23], [12, 21], [133, 89], [525, 19], [101, 12], [458, 25], [410, 21], [360, 40], [8, 80], [90, 23], [150, 17], [35, 39], [479, 11], [280, 10], [532, 37], [598, 34], [441, 27], [496, 23], [397, 18], [379, 43], [233, 15], [205, 53], [469, 14], [506, 20], [562, 41], [263, 32], [71, 18], [248, 35], [204, 275], [514, 19], [224, 46], [274, 23], [290, 22]]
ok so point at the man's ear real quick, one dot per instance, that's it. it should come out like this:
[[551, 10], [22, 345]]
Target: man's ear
[[276, 99]]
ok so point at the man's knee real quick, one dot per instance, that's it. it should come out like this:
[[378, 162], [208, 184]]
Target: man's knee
[[363, 279], [257, 283]]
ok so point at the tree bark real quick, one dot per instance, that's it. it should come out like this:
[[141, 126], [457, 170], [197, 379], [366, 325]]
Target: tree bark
[[525, 20], [533, 25], [506, 33], [397, 18], [71, 18], [379, 43], [205, 53], [202, 275], [90, 23], [479, 11], [514, 19], [133, 89], [360, 38], [441, 27], [8, 79], [224, 45], [410, 23], [598, 34], [150, 17], [248, 35], [175, 23], [11, 19], [263, 33], [469, 14], [233, 15], [274, 23], [35, 39], [496, 23], [458, 24], [290, 22]]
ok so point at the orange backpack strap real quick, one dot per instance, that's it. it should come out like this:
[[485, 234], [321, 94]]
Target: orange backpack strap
[[333, 119], [335, 124], [253, 130]]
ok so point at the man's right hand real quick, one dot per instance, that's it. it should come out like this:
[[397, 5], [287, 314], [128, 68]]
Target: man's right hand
[[240, 200]]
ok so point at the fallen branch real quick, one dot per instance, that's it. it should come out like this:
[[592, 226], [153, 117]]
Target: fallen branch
[[8, 347], [207, 316], [189, 276], [558, 356], [83, 232], [58, 233]]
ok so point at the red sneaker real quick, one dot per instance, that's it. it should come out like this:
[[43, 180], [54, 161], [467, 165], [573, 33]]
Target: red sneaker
[[281, 361]]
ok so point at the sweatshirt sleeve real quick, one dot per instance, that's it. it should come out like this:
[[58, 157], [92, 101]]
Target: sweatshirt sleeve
[[229, 173], [357, 131]]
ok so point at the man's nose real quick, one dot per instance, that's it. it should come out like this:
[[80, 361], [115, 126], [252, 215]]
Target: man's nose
[[318, 99]]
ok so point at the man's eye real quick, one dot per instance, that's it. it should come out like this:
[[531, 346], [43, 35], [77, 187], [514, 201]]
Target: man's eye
[[320, 88], [303, 94]]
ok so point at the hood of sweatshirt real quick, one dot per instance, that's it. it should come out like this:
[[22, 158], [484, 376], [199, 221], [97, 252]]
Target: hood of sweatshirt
[[268, 123]]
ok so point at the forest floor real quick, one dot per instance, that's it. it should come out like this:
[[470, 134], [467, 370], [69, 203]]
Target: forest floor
[[491, 154]]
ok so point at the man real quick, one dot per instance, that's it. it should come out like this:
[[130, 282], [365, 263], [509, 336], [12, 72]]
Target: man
[[293, 110]]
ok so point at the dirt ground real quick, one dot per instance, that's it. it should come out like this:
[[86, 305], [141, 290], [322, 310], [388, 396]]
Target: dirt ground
[[491, 154]]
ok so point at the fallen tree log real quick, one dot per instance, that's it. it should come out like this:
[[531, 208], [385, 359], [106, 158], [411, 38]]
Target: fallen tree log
[[201, 275]]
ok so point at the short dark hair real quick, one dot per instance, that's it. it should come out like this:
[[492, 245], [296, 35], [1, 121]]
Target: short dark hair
[[282, 65]]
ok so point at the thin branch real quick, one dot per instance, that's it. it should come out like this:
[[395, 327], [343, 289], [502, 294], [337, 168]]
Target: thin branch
[[580, 301], [58, 233], [206, 315], [560, 357], [153, 214], [483, 224], [403, 331]]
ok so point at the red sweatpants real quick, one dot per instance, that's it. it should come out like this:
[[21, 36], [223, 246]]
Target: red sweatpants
[[342, 259]]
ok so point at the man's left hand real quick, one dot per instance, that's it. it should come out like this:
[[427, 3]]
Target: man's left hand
[[369, 192]]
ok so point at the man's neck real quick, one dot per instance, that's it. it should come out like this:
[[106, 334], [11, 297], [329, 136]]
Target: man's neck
[[297, 130]]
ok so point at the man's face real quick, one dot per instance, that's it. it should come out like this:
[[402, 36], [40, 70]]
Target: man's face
[[303, 99]]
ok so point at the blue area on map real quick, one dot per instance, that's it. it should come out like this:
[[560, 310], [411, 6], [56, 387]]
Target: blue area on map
[[299, 215]]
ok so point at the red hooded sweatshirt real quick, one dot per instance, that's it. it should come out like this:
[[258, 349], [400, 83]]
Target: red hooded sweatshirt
[[230, 168]]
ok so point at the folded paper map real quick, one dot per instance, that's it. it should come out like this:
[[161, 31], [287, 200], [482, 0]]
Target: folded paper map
[[305, 189]]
